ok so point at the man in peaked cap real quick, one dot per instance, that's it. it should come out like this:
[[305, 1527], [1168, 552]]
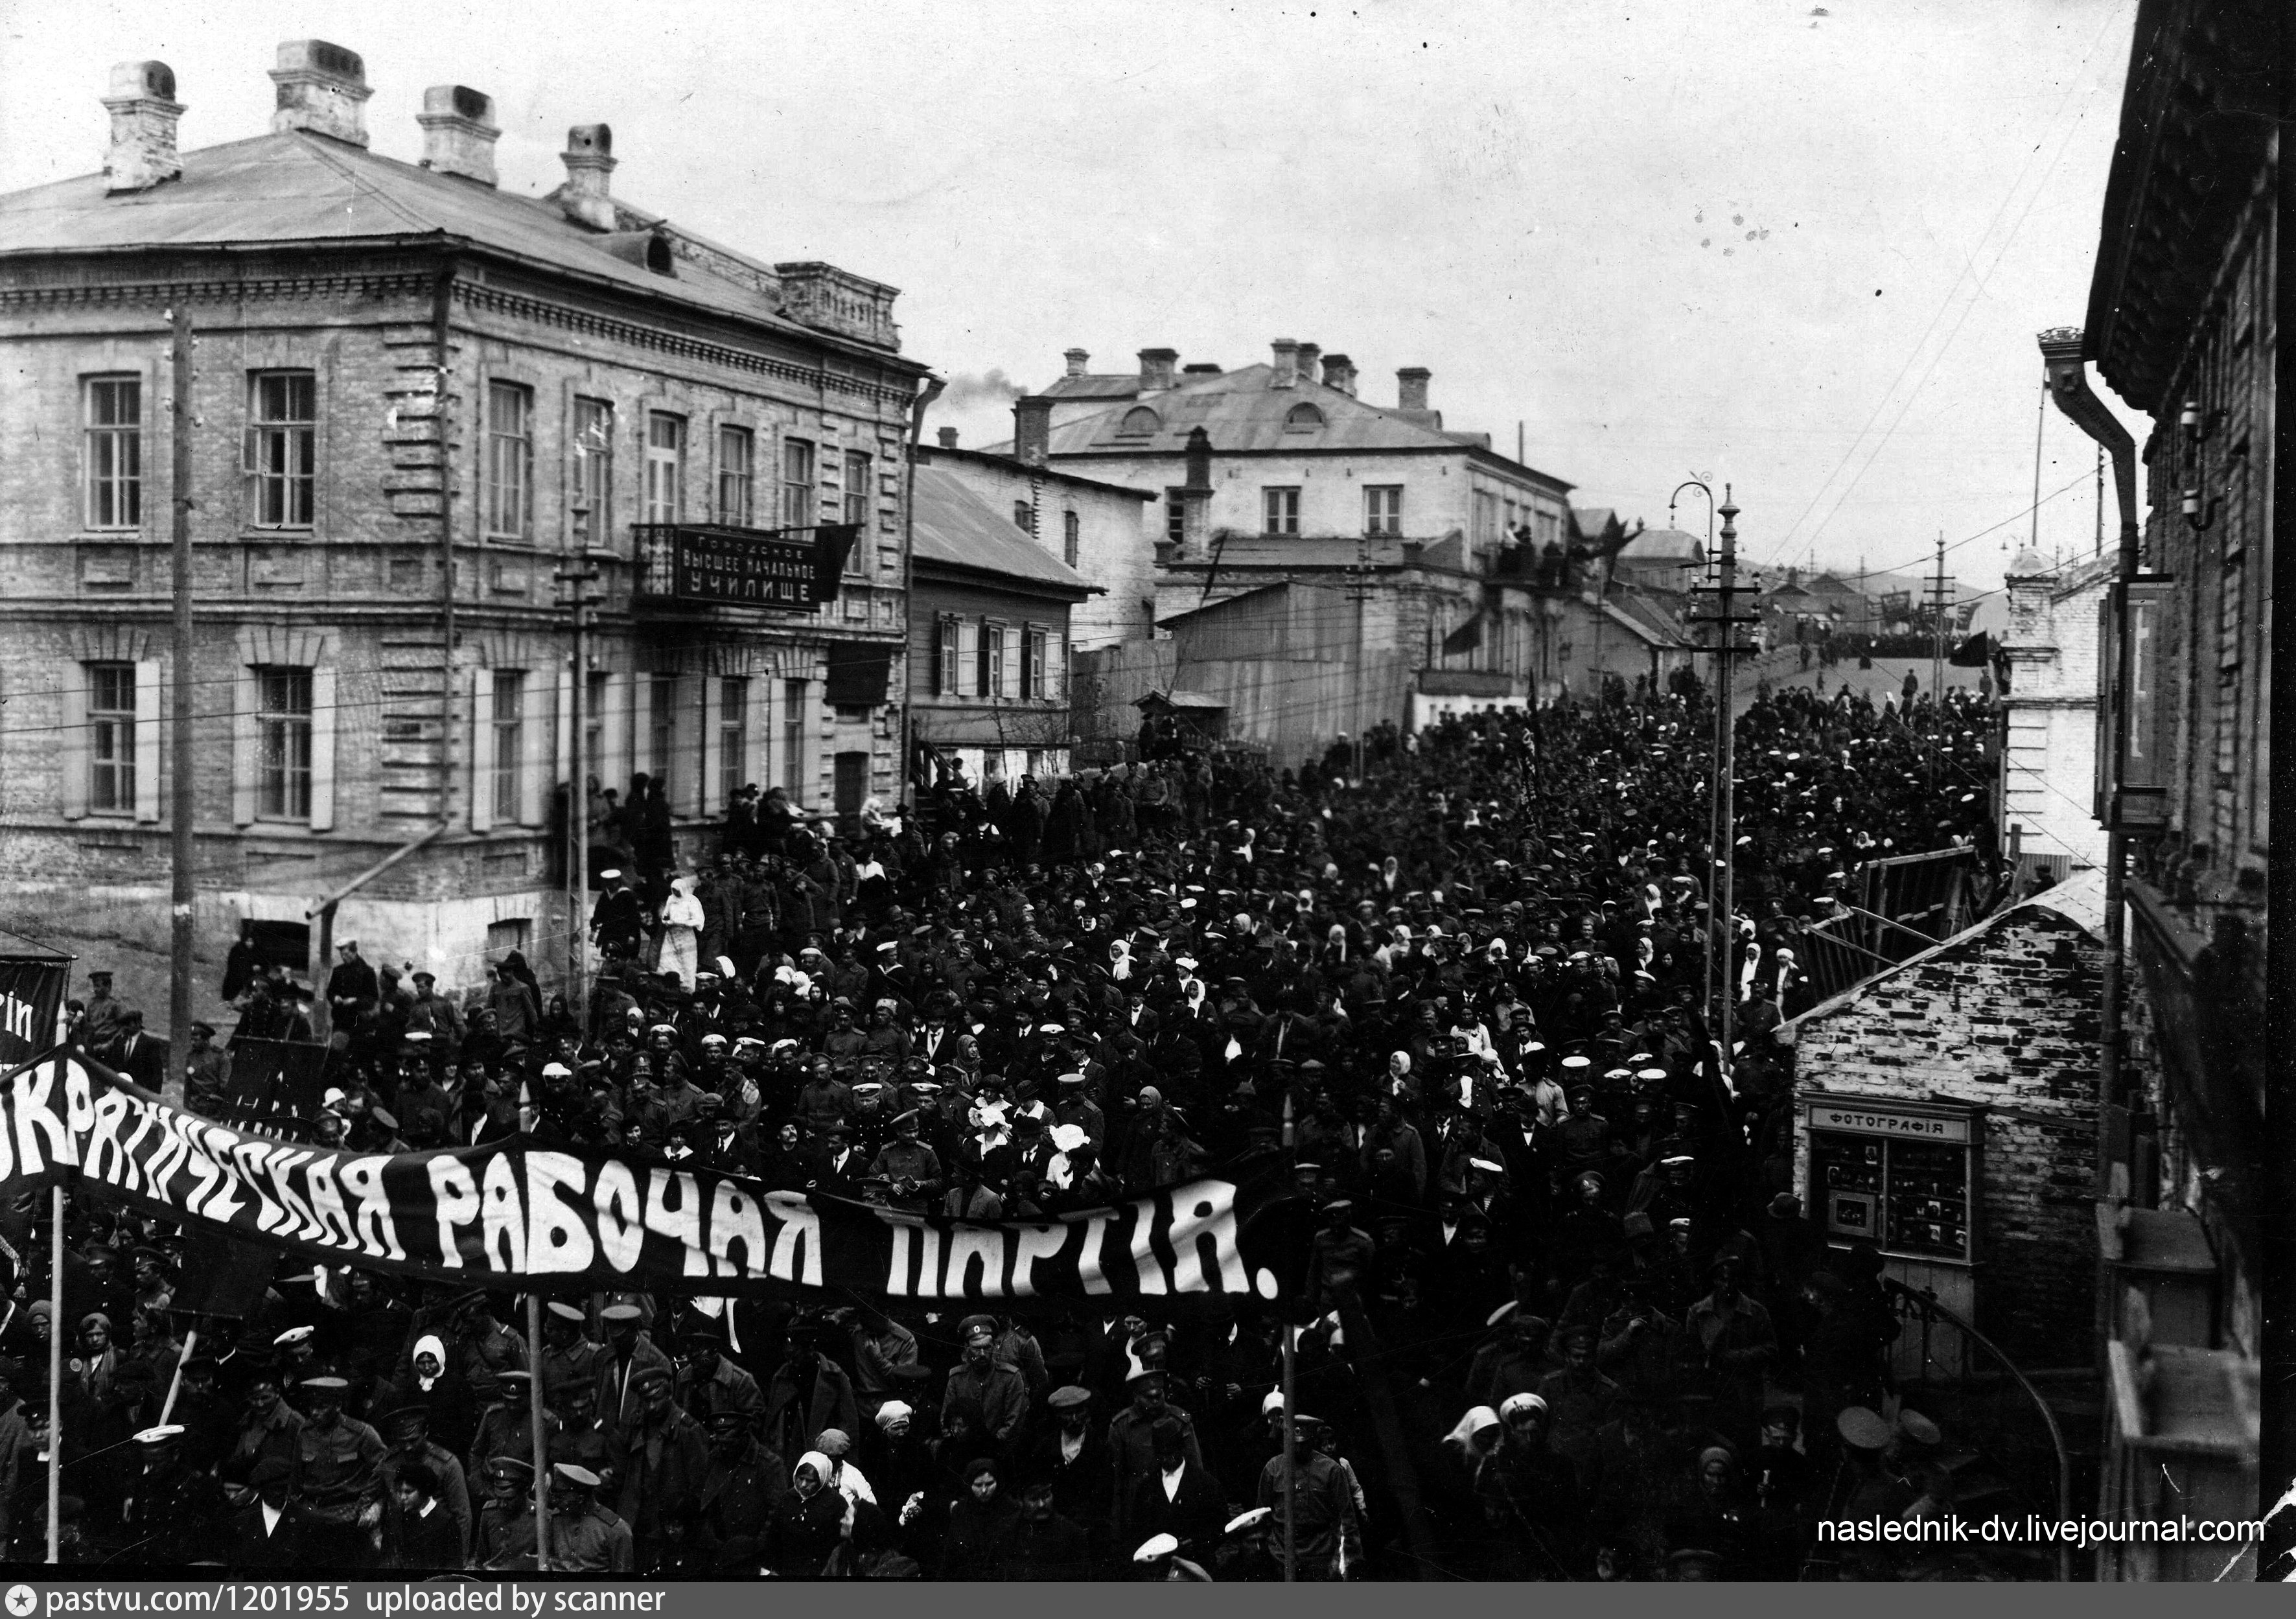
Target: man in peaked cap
[[339, 1476], [999, 1390]]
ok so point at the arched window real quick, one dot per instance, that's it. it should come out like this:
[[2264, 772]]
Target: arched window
[[1140, 423], [1302, 418]]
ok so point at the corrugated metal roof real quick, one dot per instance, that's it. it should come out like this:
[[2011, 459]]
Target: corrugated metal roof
[[294, 187], [959, 528]]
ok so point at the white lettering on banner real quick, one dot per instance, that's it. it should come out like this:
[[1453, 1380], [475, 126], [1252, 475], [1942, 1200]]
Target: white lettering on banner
[[102, 1159], [34, 1117], [1876, 1122], [17, 1018], [896, 1267], [967, 1244], [735, 1218], [456, 1196], [800, 1229], [680, 1222], [1207, 1219], [556, 1239], [1143, 1251], [377, 1233], [502, 1223], [1096, 1226], [621, 1225], [222, 1205], [1036, 1241], [249, 1155]]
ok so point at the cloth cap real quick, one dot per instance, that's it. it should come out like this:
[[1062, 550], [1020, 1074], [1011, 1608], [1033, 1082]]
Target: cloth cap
[[293, 1334], [1067, 1398], [160, 1434], [621, 1313], [1248, 1520], [576, 1475], [892, 1412], [1864, 1429], [1155, 1547], [1521, 1402], [1918, 1428]]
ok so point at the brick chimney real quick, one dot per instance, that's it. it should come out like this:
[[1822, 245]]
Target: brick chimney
[[144, 110], [1339, 372], [948, 437], [1286, 370], [322, 90], [459, 132], [1032, 428], [589, 159], [1411, 387], [1078, 361], [1156, 368], [1309, 353], [1199, 460]]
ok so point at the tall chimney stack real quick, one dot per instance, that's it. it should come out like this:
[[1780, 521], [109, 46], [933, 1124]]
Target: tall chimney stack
[[1286, 370], [589, 159], [1078, 359], [1309, 353], [1156, 369], [459, 132], [144, 110], [1032, 428], [322, 90], [1411, 387], [1339, 372]]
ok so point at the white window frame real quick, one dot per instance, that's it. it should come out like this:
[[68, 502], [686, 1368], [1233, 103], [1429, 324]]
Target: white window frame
[[800, 495], [507, 485], [1383, 509], [859, 469], [112, 453], [110, 718], [737, 476], [283, 448], [1279, 508], [593, 437], [286, 738], [508, 721], [665, 466], [732, 737]]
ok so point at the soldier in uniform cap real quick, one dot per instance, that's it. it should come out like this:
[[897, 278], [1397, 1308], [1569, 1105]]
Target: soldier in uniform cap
[[998, 1389], [912, 1169], [339, 1477]]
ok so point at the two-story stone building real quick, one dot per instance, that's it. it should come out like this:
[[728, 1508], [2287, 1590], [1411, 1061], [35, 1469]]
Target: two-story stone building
[[415, 399]]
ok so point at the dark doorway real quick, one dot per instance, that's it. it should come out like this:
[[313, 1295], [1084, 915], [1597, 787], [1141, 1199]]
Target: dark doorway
[[852, 787]]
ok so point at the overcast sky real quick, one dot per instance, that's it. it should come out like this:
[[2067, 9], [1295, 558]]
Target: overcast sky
[[1804, 247]]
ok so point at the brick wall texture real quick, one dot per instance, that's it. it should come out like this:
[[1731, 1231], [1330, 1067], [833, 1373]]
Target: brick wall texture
[[2008, 1018]]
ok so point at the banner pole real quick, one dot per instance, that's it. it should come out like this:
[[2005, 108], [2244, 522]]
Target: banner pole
[[541, 1441], [1291, 1467], [55, 1368], [176, 1383]]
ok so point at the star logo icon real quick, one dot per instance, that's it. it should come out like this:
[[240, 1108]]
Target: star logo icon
[[22, 1600]]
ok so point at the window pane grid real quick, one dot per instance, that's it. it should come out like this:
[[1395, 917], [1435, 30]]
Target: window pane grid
[[509, 461], [737, 476], [856, 491], [510, 743], [797, 484], [665, 468], [115, 453], [1281, 508], [282, 723], [286, 448], [111, 738], [733, 737], [594, 452]]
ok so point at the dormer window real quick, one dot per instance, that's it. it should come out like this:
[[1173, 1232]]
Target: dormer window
[[1302, 418], [1140, 423]]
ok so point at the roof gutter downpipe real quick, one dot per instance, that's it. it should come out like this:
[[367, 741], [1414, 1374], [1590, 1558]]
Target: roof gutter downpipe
[[2068, 380]]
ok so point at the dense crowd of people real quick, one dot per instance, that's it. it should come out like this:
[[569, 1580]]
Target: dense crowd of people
[[1564, 1316]]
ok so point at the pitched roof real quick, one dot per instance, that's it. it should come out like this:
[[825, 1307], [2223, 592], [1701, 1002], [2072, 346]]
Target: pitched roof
[[959, 529], [1594, 522], [1645, 616], [1663, 546], [1240, 413], [1094, 386], [293, 186], [990, 458]]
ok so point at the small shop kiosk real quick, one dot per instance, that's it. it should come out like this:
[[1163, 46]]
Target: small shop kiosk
[[1905, 1176]]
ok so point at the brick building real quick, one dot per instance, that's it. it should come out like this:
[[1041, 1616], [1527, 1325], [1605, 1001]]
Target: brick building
[[1979, 1052], [413, 396]]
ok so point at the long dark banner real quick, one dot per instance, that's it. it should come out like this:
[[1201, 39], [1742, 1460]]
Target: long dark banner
[[31, 996], [515, 1213]]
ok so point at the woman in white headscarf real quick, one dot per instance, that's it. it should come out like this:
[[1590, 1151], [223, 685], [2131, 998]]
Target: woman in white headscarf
[[681, 930], [811, 1525], [1119, 960]]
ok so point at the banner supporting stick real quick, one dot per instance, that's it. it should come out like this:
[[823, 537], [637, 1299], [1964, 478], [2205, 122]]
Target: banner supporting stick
[[541, 1441], [1291, 1467], [55, 1366], [176, 1383]]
